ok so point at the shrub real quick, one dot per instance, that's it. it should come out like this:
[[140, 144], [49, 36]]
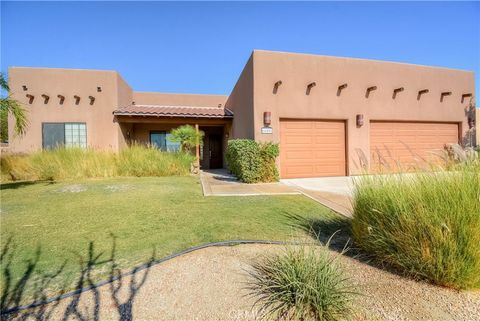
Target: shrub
[[77, 163], [187, 136], [251, 161], [301, 284], [427, 224]]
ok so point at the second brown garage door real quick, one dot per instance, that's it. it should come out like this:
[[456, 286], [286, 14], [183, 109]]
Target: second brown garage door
[[406, 145], [310, 148]]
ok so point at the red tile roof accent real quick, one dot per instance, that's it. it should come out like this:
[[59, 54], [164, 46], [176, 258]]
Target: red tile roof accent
[[174, 111]]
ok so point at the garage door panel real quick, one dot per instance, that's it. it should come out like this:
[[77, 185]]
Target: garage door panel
[[407, 144], [310, 148]]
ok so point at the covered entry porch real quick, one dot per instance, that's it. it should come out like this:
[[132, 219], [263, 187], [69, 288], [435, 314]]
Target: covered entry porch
[[155, 131]]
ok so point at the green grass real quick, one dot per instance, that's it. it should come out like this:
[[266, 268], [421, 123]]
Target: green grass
[[426, 224], [301, 284], [76, 163], [165, 213]]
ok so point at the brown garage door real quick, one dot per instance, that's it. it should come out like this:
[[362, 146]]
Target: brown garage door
[[406, 145], [310, 148]]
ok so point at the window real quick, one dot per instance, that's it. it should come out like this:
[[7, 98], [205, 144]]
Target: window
[[64, 134], [76, 135], [161, 140]]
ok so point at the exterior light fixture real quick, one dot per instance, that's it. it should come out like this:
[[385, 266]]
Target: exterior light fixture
[[92, 99], [340, 88], [46, 98], [24, 88], [61, 98], [77, 99], [444, 94], [99, 89], [369, 89], [267, 118], [396, 91], [30, 98], [310, 86], [276, 85], [466, 96], [360, 121], [421, 92], [219, 105]]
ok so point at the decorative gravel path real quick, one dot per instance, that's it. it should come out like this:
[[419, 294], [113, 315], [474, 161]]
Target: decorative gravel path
[[209, 284]]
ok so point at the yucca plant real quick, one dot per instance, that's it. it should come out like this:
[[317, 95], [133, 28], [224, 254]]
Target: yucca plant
[[302, 283]]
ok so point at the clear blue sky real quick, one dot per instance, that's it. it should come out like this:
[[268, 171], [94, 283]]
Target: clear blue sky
[[201, 47]]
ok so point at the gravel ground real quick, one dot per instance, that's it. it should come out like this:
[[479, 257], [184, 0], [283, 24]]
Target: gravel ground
[[210, 285]]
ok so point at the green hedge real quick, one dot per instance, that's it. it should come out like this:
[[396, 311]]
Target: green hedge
[[252, 162]]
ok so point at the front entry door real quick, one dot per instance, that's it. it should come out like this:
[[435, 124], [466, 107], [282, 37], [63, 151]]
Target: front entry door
[[215, 150]]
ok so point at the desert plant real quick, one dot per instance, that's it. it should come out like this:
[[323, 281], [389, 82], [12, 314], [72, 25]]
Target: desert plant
[[187, 136], [251, 161], [302, 283], [138, 160], [77, 163], [427, 223], [10, 106]]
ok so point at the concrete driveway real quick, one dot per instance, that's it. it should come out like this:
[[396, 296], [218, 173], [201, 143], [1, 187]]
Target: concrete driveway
[[333, 192]]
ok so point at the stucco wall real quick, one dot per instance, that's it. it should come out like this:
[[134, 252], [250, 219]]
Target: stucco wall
[[297, 70], [172, 99], [102, 132], [240, 102]]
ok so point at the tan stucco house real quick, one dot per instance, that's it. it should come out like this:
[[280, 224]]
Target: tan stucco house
[[331, 116]]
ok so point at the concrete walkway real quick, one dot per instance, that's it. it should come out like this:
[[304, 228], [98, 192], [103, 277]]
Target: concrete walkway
[[333, 192], [219, 182]]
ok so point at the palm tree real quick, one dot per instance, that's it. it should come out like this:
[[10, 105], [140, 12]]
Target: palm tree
[[9, 105]]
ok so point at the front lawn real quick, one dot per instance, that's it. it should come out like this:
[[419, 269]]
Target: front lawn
[[167, 214]]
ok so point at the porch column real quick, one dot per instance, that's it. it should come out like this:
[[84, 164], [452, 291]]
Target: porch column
[[197, 149]]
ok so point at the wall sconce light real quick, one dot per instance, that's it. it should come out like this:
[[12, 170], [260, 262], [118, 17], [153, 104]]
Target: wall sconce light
[[133, 103], [92, 99], [128, 134], [267, 118], [219, 105], [340, 88], [369, 89], [276, 85], [24, 88], [62, 99], [444, 94], [46, 98], [421, 92], [360, 121], [396, 91], [30, 98], [77, 99], [310, 86], [466, 96], [99, 89]]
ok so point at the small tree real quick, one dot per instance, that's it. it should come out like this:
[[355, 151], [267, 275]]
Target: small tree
[[187, 136], [9, 105]]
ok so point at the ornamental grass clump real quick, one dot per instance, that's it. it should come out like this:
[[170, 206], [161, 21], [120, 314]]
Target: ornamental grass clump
[[67, 163], [302, 283], [427, 223]]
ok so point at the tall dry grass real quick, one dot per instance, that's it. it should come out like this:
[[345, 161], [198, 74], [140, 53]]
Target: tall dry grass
[[426, 223], [77, 163]]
